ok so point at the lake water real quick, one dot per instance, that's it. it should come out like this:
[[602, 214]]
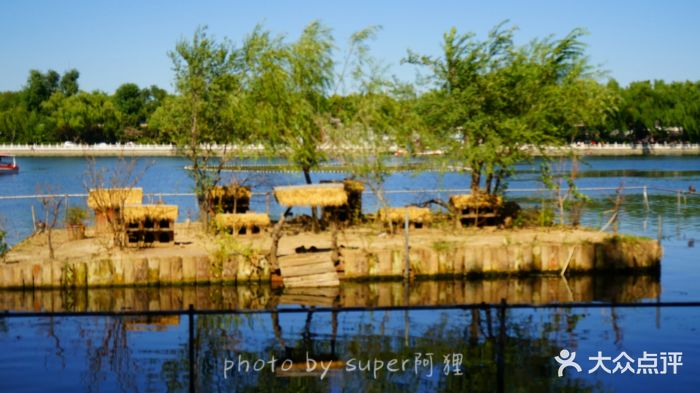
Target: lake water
[[150, 354]]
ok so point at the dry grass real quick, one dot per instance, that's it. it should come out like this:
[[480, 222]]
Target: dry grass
[[353, 185], [227, 220], [134, 213], [398, 214], [238, 192], [332, 194], [113, 198], [476, 201]]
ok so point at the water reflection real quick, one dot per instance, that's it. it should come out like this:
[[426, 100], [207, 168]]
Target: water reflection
[[118, 354], [531, 290]]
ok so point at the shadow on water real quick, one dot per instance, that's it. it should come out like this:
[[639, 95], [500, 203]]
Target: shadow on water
[[516, 290]]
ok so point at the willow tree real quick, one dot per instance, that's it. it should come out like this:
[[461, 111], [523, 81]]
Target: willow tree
[[287, 89], [200, 117], [373, 118], [311, 77], [492, 102]]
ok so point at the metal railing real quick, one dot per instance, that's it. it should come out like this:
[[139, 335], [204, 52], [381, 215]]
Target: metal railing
[[388, 192]]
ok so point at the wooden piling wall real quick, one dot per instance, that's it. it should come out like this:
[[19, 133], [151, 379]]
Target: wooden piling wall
[[441, 259]]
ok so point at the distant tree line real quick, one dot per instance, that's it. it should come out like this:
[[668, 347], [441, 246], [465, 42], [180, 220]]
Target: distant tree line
[[52, 108], [654, 111], [478, 97]]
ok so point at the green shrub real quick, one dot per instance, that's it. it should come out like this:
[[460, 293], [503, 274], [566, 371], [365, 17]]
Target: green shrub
[[4, 248], [534, 217], [75, 215]]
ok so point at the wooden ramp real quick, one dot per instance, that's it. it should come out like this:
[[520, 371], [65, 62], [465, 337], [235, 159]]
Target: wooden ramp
[[308, 270]]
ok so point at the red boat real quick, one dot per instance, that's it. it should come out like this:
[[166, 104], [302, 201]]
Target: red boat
[[8, 165]]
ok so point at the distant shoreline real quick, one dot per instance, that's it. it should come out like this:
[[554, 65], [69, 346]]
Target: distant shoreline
[[138, 150]]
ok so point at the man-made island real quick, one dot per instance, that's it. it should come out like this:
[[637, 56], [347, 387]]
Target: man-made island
[[195, 258]]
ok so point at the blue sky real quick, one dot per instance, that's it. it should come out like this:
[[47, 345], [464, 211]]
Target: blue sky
[[112, 42]]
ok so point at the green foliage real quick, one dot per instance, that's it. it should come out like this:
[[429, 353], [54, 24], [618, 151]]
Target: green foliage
[[571, 200], [86, 117], [207, 79], [656, 111], [542, 216], [39, 88], [486, 103], [492, 101], [4, 248], [135, 106], [366, 123], [75, 215], [130, 101], [288, 88], [442, 246], [69, 83], [20, 125], [51, 108]]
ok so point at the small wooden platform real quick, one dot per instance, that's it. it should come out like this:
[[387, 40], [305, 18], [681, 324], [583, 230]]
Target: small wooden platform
[[308, 270]]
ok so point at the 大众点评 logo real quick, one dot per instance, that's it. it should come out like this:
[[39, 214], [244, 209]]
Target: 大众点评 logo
[[649, 363]]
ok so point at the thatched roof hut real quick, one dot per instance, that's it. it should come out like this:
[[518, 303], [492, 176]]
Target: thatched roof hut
[[135, 213], [233, 191], [479, 201], [114, 198], [233, 198], [398, 214], [351, 211], [227, 220], [353, 185], [330, 194]]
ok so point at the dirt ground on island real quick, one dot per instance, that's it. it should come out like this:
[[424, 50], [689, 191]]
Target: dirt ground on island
[[191, 240]]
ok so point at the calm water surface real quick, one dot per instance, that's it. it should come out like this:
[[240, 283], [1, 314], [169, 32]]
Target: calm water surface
[[150, 354]]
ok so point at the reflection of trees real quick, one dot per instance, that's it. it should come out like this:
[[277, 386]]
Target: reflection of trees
[[110, 352], [113, 359], [529, 347], [107, 352], [60, 351], [532, 338]]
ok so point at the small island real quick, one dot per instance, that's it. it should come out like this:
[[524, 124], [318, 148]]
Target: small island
[[242, 246]]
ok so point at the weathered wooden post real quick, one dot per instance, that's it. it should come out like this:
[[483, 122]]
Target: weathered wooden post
[[500, 352], [407, 260], [646, 198], [65, 210], [406, 279], [267, 203], [33, 219], [190, 320]]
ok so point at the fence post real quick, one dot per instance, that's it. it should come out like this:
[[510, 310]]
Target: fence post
[[65, 207], [406, 279], [267, 203], [407, 247], [500, 354], [646, 198], [33, 220], [190, 317]]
